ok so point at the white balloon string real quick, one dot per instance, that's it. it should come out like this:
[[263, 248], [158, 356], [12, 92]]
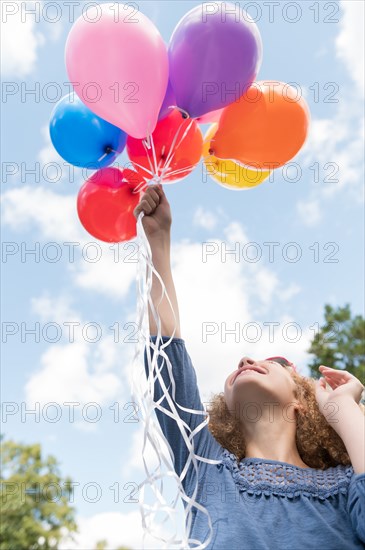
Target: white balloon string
[[154, 156], [144, 168], [143, 389], [173, 147], [152, 169], [147, 141], [157, 174], [140, 186], [183, 112]]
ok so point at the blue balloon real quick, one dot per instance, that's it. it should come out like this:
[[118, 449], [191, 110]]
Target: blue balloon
[[81, 137]]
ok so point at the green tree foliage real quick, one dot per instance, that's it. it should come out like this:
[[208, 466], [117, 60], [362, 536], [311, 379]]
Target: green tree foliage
[[34, 499], [340, 343]]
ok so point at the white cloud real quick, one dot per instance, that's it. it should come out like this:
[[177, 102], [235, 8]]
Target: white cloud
[[234, 233], [133, 461], [112, 275], [54, 217], [20, 40], [56, 309], [310, 212], [52, 214], [75, 368], [204, 218], [336, 144], [350, 41], [117, 528], [288, 293], [334, 156], [69, 372], [261, 283], [264, 284]]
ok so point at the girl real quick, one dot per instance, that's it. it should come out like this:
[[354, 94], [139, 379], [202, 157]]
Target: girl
[[287, 466]]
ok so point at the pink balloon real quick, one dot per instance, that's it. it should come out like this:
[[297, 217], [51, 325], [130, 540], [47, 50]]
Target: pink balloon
[[117, 62], [211, 117]]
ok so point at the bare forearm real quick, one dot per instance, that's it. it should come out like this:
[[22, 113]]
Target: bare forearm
[[350, 426], [160, 247]]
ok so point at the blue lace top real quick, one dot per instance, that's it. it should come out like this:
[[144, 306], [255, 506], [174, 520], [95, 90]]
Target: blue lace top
[[259, 504]]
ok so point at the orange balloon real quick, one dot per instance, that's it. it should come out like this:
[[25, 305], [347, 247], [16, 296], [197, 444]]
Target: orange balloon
[[177, 148], [228, 173], [265, 128]]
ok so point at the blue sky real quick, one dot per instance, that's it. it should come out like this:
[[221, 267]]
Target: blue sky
[[320, 52]]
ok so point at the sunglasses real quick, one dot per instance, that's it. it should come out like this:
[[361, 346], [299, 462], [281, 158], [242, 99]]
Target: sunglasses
[[282, 361]]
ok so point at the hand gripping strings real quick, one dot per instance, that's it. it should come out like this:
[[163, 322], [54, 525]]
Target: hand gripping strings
[[143, 394]]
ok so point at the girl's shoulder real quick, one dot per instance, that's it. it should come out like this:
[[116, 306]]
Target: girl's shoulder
[[271, 477]]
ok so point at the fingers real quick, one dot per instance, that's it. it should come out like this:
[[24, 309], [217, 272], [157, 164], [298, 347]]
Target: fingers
[[323, 384], [335, 373], [333, 383], [153, 191], [144, 206], [150, 199], [330, 369], [335, 377], [160, 190]]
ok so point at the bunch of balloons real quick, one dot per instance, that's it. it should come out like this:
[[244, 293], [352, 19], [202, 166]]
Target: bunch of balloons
[[132, 91]]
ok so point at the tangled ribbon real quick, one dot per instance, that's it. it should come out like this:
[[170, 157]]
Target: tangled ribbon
[[143, 393]]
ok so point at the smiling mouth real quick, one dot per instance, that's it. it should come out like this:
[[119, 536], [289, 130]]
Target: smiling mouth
[[246, 371]]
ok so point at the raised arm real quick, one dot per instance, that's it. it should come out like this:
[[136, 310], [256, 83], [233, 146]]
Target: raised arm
[[157, 225]]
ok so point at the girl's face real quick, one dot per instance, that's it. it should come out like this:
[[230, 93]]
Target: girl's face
[[260, 382]]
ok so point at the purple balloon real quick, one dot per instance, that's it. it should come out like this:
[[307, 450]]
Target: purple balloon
[[215, 53], [167, 102]]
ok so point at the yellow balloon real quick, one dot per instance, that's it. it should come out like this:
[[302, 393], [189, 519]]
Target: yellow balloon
[[229, 173]]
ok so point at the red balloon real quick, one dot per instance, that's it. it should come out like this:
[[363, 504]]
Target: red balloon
[[178, 145], [106, 201]]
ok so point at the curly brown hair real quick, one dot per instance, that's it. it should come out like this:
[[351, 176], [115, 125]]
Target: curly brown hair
[[318, 444]]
